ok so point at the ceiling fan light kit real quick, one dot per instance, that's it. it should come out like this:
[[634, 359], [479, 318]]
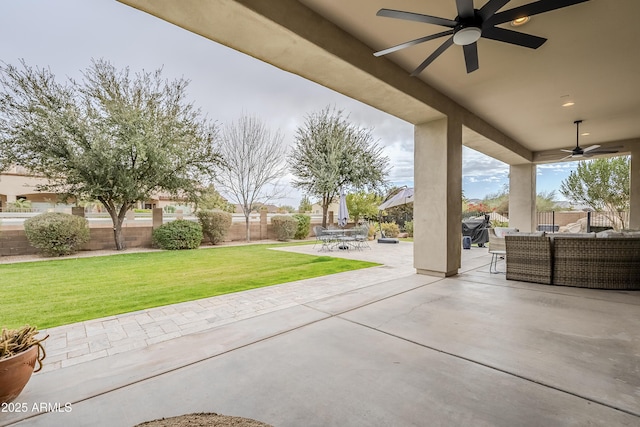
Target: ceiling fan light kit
[[472, 24], [467, 35]]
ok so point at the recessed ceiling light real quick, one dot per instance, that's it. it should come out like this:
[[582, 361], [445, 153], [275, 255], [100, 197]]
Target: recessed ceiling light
[[520, 21], [568, 104]]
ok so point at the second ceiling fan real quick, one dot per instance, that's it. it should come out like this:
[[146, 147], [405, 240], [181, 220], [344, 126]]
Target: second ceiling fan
[[578, 151], [472, 24]]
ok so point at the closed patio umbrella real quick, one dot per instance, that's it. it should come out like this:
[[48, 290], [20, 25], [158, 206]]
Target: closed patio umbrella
[[343, 212]]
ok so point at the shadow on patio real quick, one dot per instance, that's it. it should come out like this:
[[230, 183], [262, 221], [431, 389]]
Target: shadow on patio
[[413, 350]]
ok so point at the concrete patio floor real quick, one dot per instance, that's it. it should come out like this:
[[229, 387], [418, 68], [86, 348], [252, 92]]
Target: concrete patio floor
[[389, 348]]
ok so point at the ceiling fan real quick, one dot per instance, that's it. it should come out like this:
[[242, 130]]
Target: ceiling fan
[[584, 152], [472, 24]]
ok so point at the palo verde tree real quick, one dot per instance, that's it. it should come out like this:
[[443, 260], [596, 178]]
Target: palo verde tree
[[114, 136], [331, 153], [603, 185], [253, 164]]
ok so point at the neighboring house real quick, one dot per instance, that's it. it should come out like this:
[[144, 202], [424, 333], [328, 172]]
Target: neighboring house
[[16, 183], [316, 208]]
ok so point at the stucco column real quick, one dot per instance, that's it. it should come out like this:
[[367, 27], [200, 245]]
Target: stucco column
[[634, 190], [437, 206], [522, 197]]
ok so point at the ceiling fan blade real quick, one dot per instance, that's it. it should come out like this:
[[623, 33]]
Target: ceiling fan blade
[[491, 7], [465, 9], [593, 147], [513, 37], [567, 151], [471, 57], [413, 43], [603, 152], [565, 158], [410, 16], [530, 9], [444, 46]]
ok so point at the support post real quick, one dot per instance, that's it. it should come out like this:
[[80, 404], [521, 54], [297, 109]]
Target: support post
[[522, 197], [634, 190], [437, 202]]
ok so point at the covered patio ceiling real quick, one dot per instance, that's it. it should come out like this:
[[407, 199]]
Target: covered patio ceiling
[[511, 106]]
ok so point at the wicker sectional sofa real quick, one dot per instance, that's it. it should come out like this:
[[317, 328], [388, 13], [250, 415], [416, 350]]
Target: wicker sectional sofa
[[606, 261]]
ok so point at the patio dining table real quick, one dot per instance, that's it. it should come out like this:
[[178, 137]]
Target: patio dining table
[[340, 238]]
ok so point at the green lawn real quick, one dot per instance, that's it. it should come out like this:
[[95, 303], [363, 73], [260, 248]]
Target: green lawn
[[58, 292]]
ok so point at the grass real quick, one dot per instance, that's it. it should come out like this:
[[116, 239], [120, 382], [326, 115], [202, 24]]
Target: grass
[[58, 292]]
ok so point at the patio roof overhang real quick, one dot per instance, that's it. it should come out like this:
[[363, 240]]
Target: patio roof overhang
[[510, 109]]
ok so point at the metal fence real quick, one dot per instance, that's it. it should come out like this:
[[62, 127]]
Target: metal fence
[[580, 221]]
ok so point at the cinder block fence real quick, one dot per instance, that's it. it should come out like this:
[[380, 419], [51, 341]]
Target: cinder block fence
[[14, 242]]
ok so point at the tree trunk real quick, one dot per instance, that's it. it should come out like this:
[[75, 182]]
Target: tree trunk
[[117, 235], [325, 210], [117, 218], [247, 227]]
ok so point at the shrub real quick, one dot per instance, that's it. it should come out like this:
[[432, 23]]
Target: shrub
[[304, 222], [285, 227], [408, 227], [178, 234], [215, 225], [57, 233], [373, 230], [390, 229]]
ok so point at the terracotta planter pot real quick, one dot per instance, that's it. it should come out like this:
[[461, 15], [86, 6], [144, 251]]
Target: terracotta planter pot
[[15, 372]]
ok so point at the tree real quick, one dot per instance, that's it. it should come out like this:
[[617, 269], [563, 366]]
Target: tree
[[253, 164], [497, 202], [332, 154], [362, 204], [546, 201], [208, 198], [603, 185], [113, 137], [305, 205]]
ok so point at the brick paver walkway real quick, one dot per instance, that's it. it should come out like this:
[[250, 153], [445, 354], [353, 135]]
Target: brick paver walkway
[[80, 342]]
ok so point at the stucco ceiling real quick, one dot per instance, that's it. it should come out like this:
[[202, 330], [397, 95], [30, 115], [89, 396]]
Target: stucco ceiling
[[591, 57], [511, 107]]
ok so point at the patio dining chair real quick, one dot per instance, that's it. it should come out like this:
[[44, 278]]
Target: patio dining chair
[[361, 237], [322, 239]]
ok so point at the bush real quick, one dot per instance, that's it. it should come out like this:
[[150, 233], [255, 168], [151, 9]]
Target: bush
[[178, 234], [215, 225], [57, 233], [373, 230], [390, 229], [304, 222], [408, 227], [285, 227]]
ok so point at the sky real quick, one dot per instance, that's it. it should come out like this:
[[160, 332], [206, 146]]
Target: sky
[[65, 35]]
